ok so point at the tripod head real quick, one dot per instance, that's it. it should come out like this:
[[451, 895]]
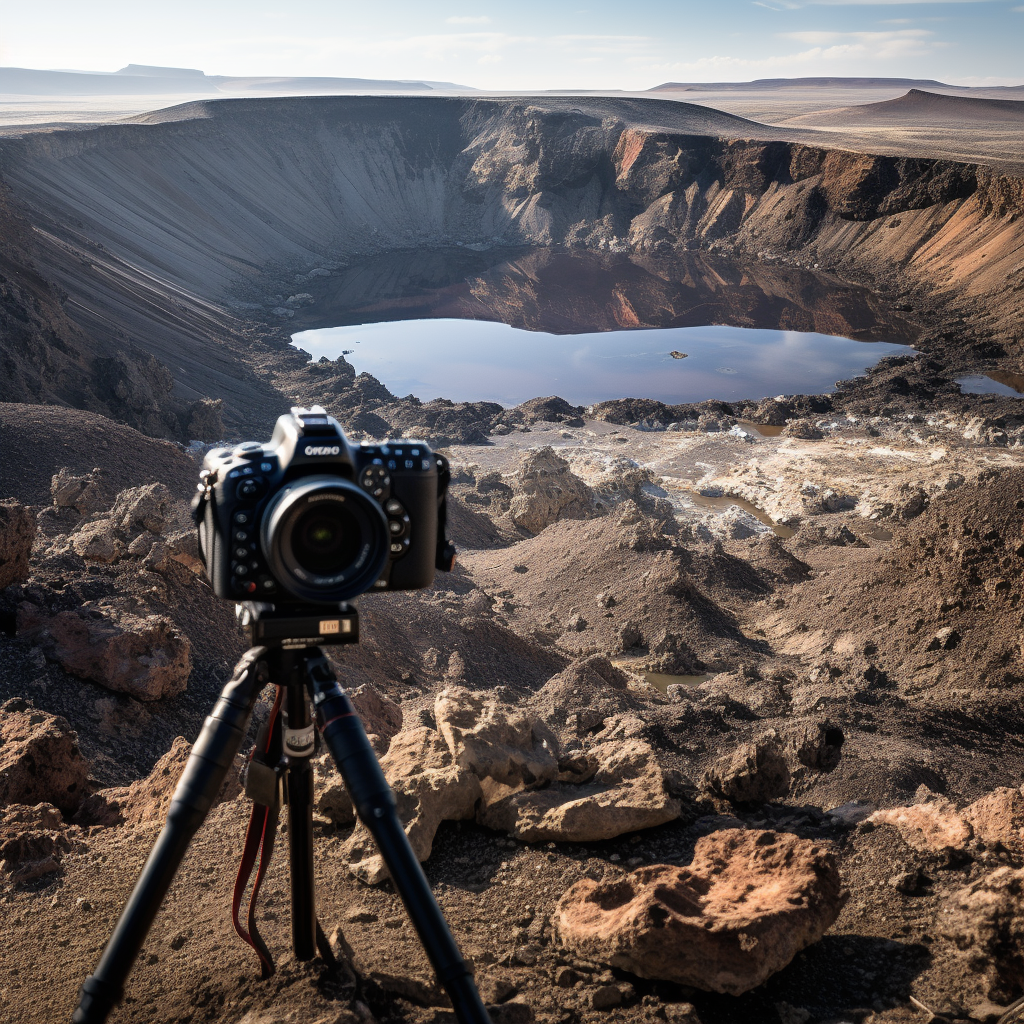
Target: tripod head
[[295, 626]]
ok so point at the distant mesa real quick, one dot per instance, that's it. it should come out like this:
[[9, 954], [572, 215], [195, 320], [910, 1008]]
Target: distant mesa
[[919, 107], [678, 355], [149, 71], [802, 83], [149, 80]]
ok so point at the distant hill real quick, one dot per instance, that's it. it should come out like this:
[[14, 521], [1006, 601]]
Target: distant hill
[[918, 107], [149, 71], [140, 79], [802, 83]]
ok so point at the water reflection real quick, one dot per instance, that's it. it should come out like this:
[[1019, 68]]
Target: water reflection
[[587, 295]]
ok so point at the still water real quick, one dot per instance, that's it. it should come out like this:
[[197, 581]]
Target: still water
[[591, 327]]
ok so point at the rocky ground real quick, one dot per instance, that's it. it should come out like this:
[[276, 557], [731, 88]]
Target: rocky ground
[[716, 720]]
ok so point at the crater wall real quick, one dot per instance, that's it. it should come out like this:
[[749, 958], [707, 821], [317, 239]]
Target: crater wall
[[157, 236]]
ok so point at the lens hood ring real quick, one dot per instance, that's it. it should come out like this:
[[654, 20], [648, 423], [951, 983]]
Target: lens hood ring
[[352, 525]]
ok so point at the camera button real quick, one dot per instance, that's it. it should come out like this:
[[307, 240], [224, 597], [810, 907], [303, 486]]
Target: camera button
[[394, 508], [241, 553], [242, 570], [241, 536], [242, 518], [397, 548], [396, 526]]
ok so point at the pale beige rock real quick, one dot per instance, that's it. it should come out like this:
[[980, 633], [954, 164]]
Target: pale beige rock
[[932, 825], [17, 531], [625, 792], [429, 788], [544, 490], [506, 748], [746, 905], [40, 761], [142, 507], [382, 719], [86, 493], [98, 542], [149, 799], [998, 819], [146, 657]]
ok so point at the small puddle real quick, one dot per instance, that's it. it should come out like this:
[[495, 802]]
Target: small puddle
[[997, 383], [662, 682], [728, 500], [764, 429]]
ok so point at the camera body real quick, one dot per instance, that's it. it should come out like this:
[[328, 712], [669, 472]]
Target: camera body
[[311, 518]]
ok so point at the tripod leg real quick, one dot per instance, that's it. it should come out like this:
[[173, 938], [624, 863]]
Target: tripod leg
[[375, 803], [204, 774], [298, 746]]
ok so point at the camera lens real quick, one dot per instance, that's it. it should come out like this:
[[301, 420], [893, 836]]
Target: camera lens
[[325, 538]]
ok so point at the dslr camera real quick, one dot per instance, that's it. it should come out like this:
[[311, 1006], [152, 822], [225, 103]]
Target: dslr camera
[[311, 518]]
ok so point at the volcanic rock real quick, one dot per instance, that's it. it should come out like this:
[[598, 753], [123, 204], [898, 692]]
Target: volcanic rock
[[612, 788], [545, 490], [98, 542], [33, 841], [87, 493], [984, 920], [429, 788], [149, 799], [40, 761], [754, 774], [17, 531], [146, 657], [142, 507], [997, 819], [932, 825], [507, 749], [746, 905]]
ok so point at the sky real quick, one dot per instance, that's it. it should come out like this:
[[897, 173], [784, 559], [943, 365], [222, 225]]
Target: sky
[[529, 44]]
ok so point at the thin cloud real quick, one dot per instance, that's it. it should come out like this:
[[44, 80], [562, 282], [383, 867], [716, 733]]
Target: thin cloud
[[468, 20]]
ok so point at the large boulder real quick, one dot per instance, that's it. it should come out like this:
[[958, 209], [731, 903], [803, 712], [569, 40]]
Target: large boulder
[[544, 490], [146, 657], [40, 761], [429, 788], [17, 531], [746, 905], [508, 749], [149, 799], [34, 841]]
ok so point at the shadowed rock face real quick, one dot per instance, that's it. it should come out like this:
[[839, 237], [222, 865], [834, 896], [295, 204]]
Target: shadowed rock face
[[155, 229]]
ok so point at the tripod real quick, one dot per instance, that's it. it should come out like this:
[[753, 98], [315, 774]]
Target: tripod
[[286, 650]]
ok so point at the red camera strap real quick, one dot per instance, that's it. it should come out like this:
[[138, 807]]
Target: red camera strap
[[259, 839]]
